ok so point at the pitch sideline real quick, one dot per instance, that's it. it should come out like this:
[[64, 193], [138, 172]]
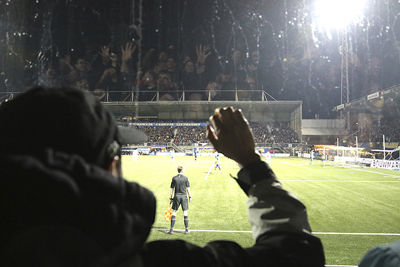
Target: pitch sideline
[[316, 233]]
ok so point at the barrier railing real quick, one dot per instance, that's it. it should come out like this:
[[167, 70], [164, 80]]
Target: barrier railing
[[154, 96], [192, 95]]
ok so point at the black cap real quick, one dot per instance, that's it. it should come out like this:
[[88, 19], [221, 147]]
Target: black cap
[[64, 119]]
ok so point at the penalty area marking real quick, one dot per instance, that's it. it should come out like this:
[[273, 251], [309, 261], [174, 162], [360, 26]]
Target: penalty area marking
[[249, 232]]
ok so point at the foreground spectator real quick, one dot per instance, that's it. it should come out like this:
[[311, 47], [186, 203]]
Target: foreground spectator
[[64, 202], [382, 256]]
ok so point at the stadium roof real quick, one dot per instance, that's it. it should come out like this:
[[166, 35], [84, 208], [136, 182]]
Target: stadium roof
[[372, 102]]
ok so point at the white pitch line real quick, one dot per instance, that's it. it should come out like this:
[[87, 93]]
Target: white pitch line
[[208, 173], [338, 181], [209, 231], [211, 179], [350, 168], [366, 234], [385, 174], [316, 233]]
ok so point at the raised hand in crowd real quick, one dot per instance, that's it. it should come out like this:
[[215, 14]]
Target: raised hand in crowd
[[127, 51], [126, 55], [105, 53], [202, 52]]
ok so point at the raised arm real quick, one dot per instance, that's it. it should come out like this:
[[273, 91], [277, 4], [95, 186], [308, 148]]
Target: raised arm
[[273, 211]]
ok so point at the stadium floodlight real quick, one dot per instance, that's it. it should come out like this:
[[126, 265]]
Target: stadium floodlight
[[337, 14]]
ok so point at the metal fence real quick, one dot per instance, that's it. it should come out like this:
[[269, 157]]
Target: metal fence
[[155, 96]]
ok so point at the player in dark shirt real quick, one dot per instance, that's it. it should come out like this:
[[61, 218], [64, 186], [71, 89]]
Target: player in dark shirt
[[180, 190], [195, 153]]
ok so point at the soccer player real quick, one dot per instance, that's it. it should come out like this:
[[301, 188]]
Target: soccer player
[[135, 155], [180, 190], [311, 156], [217, 163], [195, 153], [268, 157]]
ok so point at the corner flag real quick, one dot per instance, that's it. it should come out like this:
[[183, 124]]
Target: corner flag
[[168, 214]]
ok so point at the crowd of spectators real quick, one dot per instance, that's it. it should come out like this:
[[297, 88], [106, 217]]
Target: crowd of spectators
[[378, 120], [182, 135], [114, 74], [270, 133], [375, 133], [124, 73], [274, 133]]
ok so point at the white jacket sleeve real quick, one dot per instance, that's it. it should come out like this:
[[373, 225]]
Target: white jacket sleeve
[[271, 208]]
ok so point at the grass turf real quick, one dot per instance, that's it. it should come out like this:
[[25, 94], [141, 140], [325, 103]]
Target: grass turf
[[339, 200]]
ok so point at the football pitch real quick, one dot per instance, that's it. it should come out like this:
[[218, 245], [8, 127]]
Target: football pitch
[[351, 209]]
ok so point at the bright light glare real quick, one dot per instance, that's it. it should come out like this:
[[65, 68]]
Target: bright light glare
[[337, 14]]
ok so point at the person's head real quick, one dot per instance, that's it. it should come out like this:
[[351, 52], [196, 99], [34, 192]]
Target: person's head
[[164, 80], [148, 79], [180, 169], [251, 82], [114, 59], [212, 88], [224, 77], [171, 64], [162, 56], [189, 66], [51, 72], [82, 84], [82, 65], [65, 120]]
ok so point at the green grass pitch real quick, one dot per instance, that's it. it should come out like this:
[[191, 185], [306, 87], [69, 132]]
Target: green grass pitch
[[350, 209]]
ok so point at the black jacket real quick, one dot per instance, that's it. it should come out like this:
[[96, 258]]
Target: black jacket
[[70, 206]]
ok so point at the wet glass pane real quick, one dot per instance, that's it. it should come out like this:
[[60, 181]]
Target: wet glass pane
[[320, 53]]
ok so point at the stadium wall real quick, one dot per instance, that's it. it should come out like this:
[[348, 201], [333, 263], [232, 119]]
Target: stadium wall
[[323, 131]]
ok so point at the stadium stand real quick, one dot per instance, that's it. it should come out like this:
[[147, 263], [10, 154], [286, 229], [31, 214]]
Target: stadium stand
[[191, 132]]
